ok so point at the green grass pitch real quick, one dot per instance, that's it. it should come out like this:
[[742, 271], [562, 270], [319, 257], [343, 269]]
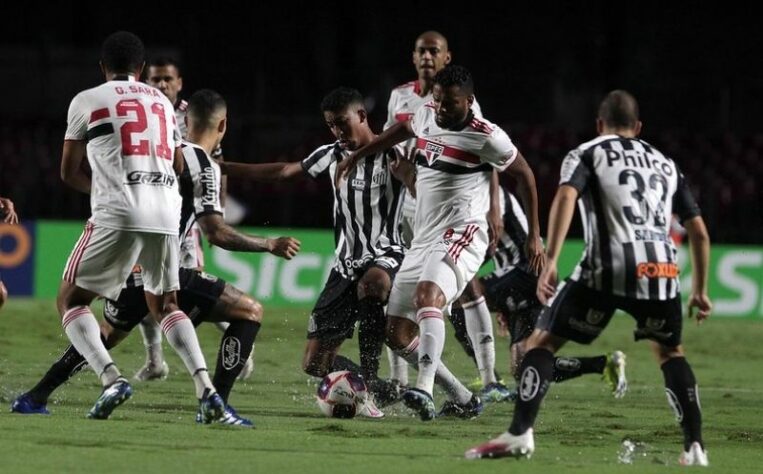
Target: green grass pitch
[[580, 429]]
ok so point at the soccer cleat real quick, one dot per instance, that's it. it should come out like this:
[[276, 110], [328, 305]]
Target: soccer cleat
[[475, 385], [421, 402], [614, 374], [211, 407], [468, 410], [368, 409], [151, 371], [505, 445], [230, 417], [111, 397], [26, 406], [695, 456], [497, 392], [248, 369], [385, 392]]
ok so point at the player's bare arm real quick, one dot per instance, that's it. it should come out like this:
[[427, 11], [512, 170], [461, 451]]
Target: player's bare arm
[[494, 217], [226, 237], [262, 171], [405, 171], [699, 242], [71, 165], [178, 162], [523, 174], [8, 211], [397, 133], [560, 217]]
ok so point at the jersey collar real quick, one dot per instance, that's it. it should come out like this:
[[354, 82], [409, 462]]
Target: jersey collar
[[124, 77]]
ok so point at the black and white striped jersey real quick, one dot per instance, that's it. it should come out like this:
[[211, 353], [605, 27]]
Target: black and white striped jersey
[[366, 206], [628, 193], [200, 190], [510, 251]]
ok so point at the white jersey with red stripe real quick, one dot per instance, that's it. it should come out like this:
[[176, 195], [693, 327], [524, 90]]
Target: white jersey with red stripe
[[131, 135], [404, 101], [453, 173]]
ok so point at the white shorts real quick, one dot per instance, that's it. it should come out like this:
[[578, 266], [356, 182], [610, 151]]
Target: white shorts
[[103, 259], [450, 263]]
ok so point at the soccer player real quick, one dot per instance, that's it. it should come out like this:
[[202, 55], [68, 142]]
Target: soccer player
[[164, 74], [8, 214], [368, 252], [510, 291], [430, 54], [627, 191], [205, 296], [127, 131], [456, 153]]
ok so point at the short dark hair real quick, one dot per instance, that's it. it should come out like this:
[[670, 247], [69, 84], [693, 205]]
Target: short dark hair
[[203, 105], [453, 75], [619, 109], [164, 61], [340, 98], [122, 52]]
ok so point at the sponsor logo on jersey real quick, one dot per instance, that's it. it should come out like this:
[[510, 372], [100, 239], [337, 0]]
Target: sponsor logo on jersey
[[359, 263], [379, 179], [231, 352], [209, 198], [151, 178], [656, 270]]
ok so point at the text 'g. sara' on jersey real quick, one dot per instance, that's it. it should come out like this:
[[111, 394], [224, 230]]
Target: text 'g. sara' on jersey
[[200, 189], [366, 206], [131, 138], [628, 193], [453, 172]]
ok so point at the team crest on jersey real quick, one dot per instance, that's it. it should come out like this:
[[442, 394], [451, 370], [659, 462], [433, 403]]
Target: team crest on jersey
[[433, 151]]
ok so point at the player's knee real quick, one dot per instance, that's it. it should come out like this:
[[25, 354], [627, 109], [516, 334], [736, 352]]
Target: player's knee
[[3, 294], [377, 287], [428, 294], [251, 309], [665, 353]]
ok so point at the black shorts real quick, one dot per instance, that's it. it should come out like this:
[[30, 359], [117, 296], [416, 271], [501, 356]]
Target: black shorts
[[580, 313], [198, 295], [336, 311], [513, 294]]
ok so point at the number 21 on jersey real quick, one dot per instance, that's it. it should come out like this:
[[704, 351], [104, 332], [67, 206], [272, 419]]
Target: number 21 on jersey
[[135, 146]]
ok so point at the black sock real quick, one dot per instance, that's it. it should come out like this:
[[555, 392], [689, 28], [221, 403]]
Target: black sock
[[566, 368], [683, 396], [62, 370], [373, 322], [343, 363], [536, 371], [235, 347], [457, 318]]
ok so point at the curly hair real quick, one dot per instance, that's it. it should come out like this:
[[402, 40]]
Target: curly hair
[[453, 75], [122, 52]]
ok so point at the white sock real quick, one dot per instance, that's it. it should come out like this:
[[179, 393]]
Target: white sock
[[479, 327], [432, 341], [82, 329], [444, 378], [398, 367], [152, 340], [181, 335]]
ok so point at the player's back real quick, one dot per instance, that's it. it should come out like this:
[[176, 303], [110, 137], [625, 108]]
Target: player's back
[[628, 192], [131, 137]]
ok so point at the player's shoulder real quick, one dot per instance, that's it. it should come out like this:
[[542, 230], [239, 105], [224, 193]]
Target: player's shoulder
[[591, 145], [410, 86], [194, 153], [484, 126]]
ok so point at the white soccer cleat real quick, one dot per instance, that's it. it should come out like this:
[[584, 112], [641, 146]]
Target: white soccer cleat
[[151, 371], [248, 369], [368, 409], [505, 445], [695, 456], [614, 374]]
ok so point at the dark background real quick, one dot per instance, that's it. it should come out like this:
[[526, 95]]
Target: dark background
[[540, 70]]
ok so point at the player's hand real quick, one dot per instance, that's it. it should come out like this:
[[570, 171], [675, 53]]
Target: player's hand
[[503, 324], [286, 247], [494, 229], [701, 302], [344, 167], [536, 255], [547, 283], [8, 211]]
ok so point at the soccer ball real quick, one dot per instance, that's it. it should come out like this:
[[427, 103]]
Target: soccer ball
[[341, 394]]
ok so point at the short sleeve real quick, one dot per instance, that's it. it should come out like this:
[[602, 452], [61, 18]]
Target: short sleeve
[[319, 161], [76, 119], [574, 171], [684, 204], [420, 118], [499, 151], [390, 111]]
